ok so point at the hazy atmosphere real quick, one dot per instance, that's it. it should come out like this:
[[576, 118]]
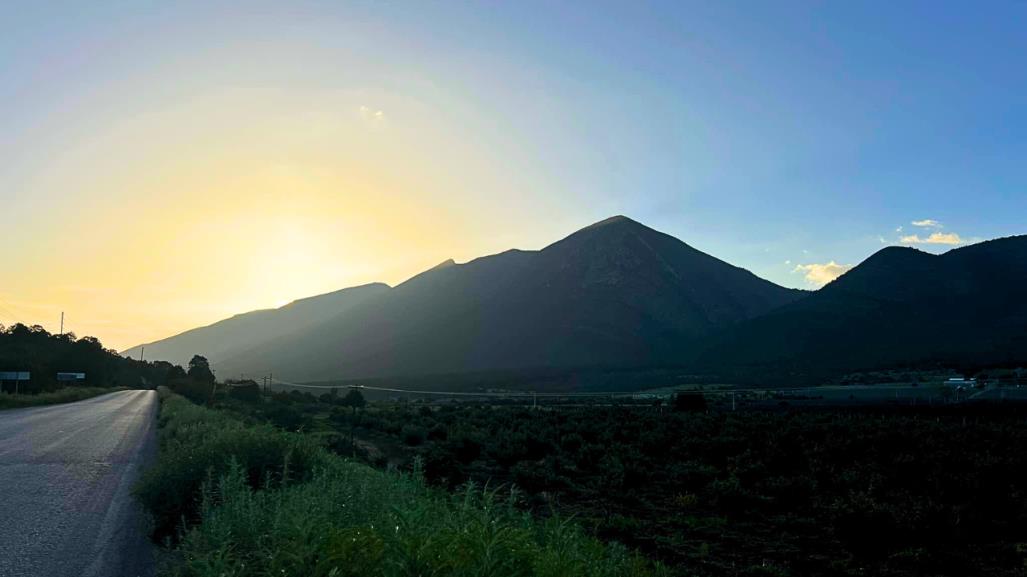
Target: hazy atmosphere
[[165, 169], [513, 289]]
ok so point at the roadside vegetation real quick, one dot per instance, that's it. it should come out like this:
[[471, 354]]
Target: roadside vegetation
[[252, 483], [888, 490], [65, 395], [234, 498]]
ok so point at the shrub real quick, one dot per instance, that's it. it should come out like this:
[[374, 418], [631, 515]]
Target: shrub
[[196, 391], [65, 395], [197, 445], [248, 392], [413, 435], [287, 417], [318, 515]]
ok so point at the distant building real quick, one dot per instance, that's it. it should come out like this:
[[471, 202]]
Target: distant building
[[961, 382]]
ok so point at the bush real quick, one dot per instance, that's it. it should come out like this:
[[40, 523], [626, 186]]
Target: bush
[[65, 395], [287, 417], [413, 435], [320, 515], [197, 445], [195, 391], [248, 392]]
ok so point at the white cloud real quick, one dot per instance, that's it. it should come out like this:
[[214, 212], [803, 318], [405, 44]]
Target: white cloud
[[934, 238], [926, 223], [819, 274], [899, 229], [372, 114]]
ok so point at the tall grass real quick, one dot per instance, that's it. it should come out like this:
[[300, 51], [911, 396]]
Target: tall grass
[[315, 514], [65, 395]]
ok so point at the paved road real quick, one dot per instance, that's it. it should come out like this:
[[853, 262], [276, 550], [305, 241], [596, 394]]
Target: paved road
[[66, 476]]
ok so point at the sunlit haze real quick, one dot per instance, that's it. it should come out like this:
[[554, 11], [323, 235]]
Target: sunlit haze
[[166, 165]]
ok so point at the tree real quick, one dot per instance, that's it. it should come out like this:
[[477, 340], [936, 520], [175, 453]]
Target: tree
[[199, 370], [355, 399], [247, 390]]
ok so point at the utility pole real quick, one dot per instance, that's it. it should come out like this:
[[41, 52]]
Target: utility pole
[[62, 323], [141, 351]]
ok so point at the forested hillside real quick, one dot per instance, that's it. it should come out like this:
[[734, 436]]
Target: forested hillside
[[34, 350]]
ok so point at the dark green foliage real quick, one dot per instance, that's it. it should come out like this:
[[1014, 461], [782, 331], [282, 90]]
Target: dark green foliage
[[933, 492], [413, 435], [33, 349], [354, 399], [200, 392], [197, 445], [65, 395], [245, 391], [285, 416], [199, 370], [258, 501]]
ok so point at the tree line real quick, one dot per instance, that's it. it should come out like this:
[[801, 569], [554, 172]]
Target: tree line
[[43, 354]]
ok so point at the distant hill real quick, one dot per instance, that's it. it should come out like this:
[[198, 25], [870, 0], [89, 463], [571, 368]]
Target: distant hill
[[616, 294], [248, 330], [900, 307]]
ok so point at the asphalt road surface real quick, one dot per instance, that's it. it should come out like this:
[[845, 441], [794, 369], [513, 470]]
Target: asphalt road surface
[[66, 476]]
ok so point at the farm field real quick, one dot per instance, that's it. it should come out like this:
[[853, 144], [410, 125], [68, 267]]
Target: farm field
[[906, 488]]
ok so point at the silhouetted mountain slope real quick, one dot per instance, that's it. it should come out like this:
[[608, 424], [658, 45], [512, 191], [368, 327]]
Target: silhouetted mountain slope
[[899, 307], [250, 329], [616, 293]]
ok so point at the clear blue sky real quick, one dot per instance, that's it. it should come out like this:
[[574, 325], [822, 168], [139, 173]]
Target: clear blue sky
[[773, 135]]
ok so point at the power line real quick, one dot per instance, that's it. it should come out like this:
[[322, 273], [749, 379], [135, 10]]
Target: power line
[[533, 394], [460, 393]]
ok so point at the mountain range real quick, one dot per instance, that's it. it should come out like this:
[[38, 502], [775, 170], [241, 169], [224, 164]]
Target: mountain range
[[619, 295]]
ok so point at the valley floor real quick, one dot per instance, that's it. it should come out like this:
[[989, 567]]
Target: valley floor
[[902, 488]]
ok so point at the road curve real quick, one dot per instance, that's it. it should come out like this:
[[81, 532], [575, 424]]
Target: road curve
[[66, 476]]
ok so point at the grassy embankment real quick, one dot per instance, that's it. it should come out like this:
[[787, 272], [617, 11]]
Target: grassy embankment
[[66, 395], [240, 500]]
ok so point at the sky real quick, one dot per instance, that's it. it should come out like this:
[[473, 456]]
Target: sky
[[169, 164]]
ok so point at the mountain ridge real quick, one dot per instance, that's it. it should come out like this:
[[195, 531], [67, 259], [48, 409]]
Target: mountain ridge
[[899, 307], [617, 294], [614, 292]]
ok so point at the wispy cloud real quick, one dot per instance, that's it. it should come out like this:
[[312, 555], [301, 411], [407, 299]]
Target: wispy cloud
[[371, 113], [926, 223], [819, 274], [949, 238]]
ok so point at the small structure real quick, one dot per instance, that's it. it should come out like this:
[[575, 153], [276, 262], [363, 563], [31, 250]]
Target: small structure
[[77, 377], [960, 382], [16, 376]]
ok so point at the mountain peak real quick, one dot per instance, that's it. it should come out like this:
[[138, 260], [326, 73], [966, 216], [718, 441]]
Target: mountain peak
[[619, 219]]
